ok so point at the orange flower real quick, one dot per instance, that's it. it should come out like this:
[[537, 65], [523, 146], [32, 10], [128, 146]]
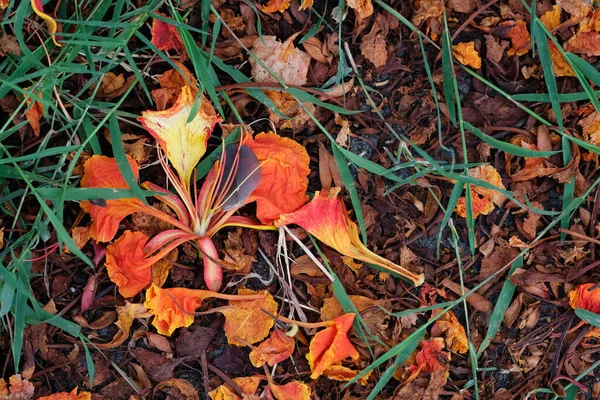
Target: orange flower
[[174, 308], [51, 23], [582, 297], [103, 172], [331, 345], [165, 36], [126, 265], [326, 217], [183, 142], [284, 176], [275, 349], [68, 396]]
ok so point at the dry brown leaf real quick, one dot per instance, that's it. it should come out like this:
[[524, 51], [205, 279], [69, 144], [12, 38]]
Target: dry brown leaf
[[276, 6], [495, 49], [362, 8], [551, 19], [476, 300], [577, 8], [9, 45], [426, 9], [127, 314], [317, 50], [235, 256], [187, 390], [466, 54], [285, 61], [373, 46], [34, 113], [456, 337], [587, 43], [288, 106], [462, 6]]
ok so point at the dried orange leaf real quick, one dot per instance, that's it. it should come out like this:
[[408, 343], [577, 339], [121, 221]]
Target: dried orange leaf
[[165, 36], [520, 39], [577, 8], [276, 6], [103, 172], [331, 345], [186, 389], [582, 297], [587, 43], [17, 388], [363, 8], [288, 106], [427, 9], [341, 373], [295, 390], [326, 217], [560, 66], [34, 114], [374, 47], [275, 349], [284, 175], [282, 59], [466, 54], [551, 19], [51, 23], [127, 314], [246, 320], [126, 264], [480, 206], [183, 142], [80, 235]]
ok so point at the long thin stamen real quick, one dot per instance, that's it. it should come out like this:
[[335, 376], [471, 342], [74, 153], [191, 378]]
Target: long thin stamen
[[180, 187]]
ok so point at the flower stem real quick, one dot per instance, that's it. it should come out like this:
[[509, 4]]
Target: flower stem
[[307, 325]]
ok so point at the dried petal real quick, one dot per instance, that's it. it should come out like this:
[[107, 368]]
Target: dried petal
[[326, 217], [34, 114], [68, 396], [456, 338], [341, 373], [331, 345], [466, 54], [274, 350], [587, 43], [183, 142], [165, 36], [431, 357], [103, 172], [363, 8], [295, 390], [582, 297], [520, 39], [551, 19], [276, 6], [284, 175]]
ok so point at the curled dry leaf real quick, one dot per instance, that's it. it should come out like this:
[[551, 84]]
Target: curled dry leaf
[[275, 349], [235, 256], [9, 45], [114, 85], [248, 386], [483, 199], [331, 345], [456, 338], [578, 9], [341, 373], [432, 356], [126, 314], [331, 307], [282, 59], [587, 43], [466, 54], [297, 118], [276, 6], [34, 113], [185, 388], [427, 9], [373, 46], [362, 8]]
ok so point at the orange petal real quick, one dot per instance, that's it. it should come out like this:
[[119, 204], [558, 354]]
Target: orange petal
[[480, 206], [247, 384], [326, 217], [52, 25], [127, 314], [341, 373], [126, 264], [456, 337], [275, 349], [68, 396], [276, 5], [520, 39], [582, 297], [431, 357], [331, 345], [183, 142], [16, 388], [295, 390], [103, 172], [165, 36], [466, 54], [284, 176], [34, 114], [172, 308], [245, 320]]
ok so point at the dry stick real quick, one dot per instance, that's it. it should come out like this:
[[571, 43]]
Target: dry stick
[[580, 235]]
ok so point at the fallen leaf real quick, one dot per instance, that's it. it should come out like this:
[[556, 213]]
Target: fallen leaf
[[426, 9], [373, 46], [495, 49], [275, 349], [161, 268], [34, 113], [560, 66], [165, 36], [159, 342], [587, 43], [235, 257], [185, 388], [332, 309], [432, 356], [126, 315], [114, 85], [285, 61], [331, 345], [294, 390], [362, 8], [462, 6], [466, 54], [9, 45], [158, 366], [476, 300], [520, 39], [246, 320], [248, 386], [193, 341], [551, 19], [17, 388], [577, 8], [456, 337], [341, 373], [297, 118]]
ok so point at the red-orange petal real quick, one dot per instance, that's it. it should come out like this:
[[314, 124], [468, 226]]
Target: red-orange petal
[[284, 175], [126, 265], [68, 396], [432, 357], [326, 217], [165, 36], [582, 297], [103, 172], [331, 345], [294, 390], [274, 350], [173, 308]]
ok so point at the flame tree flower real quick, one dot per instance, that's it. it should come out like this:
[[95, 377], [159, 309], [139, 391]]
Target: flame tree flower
[[583, 297], [229, 185], [326, 217]]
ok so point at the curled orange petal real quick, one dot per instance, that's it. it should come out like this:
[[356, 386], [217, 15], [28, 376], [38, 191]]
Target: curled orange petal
[[582, 297], [326, 217], [103, 172], [275, 349], [432, 356], [183, 142], [126, 264], [480, 206], [331, 345], [68, 396], [51, 23], [284, 175], [165, 36]]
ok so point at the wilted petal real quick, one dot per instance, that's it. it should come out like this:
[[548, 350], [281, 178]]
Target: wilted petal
[[331, 345], [275, 349], [284, 175], [51, 23], [183, 142], [68, 396], [126, 264], [456, 337], [479, 206], [294, 390], [326, 217], [582, 297], [165, 36], [103, 172], [173, 308], [341, 373], [247, 384], [432, 357]]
